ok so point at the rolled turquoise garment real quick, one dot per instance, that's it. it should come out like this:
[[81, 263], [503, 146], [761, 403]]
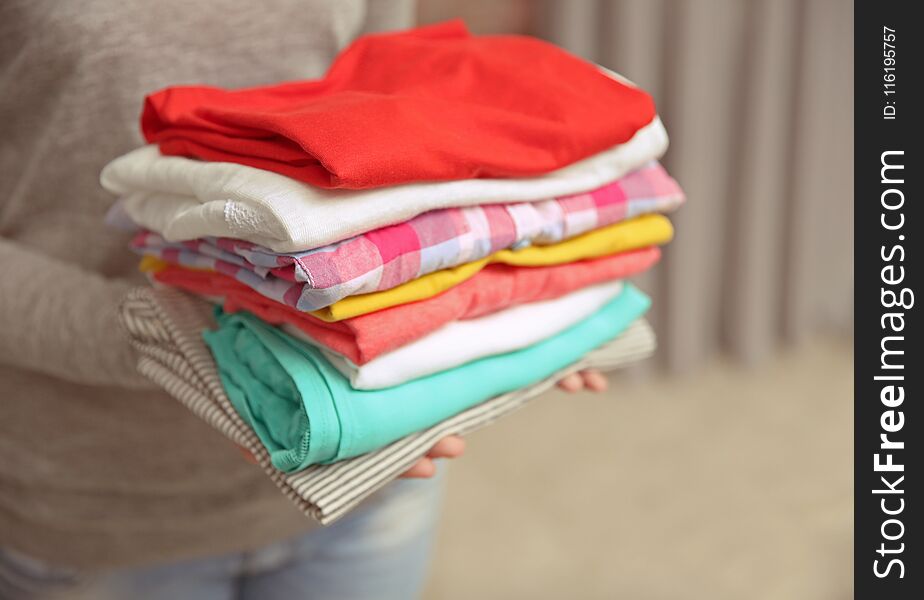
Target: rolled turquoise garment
[[305, 412]]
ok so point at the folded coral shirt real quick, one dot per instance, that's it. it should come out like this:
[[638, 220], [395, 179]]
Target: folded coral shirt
[[184, 199], [627, 235], [305, 412], [440, 239], [363, 338], [461, 342], [427, 104]]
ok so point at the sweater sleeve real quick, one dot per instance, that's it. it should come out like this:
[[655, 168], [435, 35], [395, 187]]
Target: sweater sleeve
[[61, 320], [389, 15]]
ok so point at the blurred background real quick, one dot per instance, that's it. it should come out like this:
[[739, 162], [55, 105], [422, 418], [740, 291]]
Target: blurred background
[[723, 468]]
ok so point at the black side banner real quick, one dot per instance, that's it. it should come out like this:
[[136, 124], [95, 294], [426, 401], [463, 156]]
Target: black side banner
[[889, 65]]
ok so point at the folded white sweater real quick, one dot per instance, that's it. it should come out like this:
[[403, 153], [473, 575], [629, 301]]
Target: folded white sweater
[[184, 199]]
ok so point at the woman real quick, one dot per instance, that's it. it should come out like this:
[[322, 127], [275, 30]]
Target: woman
[[108, 488]]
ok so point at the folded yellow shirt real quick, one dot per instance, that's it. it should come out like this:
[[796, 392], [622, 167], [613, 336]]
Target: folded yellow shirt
[[647, 230], [632, 234]]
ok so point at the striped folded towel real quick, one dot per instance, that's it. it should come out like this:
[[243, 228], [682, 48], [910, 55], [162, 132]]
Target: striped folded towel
[[166, 327]]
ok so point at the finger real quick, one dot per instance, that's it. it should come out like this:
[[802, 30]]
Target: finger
[[449, 447], [595, 381], [422, 469], [572, 383], [247, 454]]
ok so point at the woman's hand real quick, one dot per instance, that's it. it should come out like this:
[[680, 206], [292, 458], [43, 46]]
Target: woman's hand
[[451, 446], [591, 380]]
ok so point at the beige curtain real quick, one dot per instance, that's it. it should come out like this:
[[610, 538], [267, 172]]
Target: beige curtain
[[757, 98]]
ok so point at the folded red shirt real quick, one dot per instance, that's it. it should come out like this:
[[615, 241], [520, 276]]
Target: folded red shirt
[[429, 104], [363, 338]]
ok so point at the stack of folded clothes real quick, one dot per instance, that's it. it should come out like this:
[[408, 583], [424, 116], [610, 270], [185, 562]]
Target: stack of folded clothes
[[409, 247]]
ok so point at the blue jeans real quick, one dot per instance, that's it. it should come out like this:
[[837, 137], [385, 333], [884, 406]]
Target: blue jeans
[[380, 551]]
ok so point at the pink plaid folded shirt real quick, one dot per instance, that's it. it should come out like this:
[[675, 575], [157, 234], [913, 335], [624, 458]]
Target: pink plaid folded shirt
[[385, 258]]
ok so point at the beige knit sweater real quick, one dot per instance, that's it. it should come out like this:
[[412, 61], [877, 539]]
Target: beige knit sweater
[[97, 468]]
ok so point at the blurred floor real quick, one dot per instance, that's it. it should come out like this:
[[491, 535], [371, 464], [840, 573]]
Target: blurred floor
[[732, 483]]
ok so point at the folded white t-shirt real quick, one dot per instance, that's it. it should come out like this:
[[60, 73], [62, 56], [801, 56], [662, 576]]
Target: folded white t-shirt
[[461, 342], [184, 199]]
